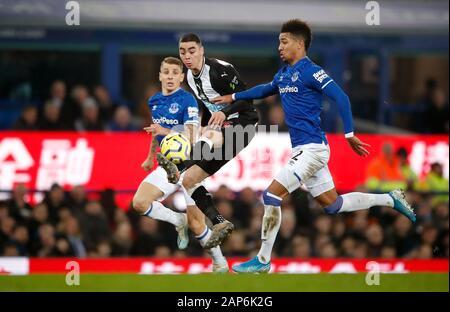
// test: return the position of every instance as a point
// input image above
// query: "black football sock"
(205, 203)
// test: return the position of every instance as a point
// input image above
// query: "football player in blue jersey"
(173, 109)
(301, 84)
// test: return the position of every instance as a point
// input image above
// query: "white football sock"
(270, 226)
(158, 211)
(215, 252)
(204, 236)
(187, 197)
(359, 201)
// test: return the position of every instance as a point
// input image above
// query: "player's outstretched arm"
(190, 131)
(257, 92)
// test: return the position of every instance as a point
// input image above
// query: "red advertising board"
(22, 266)
(101, 160)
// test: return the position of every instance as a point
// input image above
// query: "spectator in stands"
(263, 107)
(436, 113)
(276, 117)
(10, 250)
(122, 239)
(235, 245)
(28, 120)
(89, 120)
(143, 113)
(287, 231)
(54, 200)
(6, 230)
(73, 234)
(122, 120)
(384, 172)
(243, 205)
(436, 182)
(4, 210)
(94, 225)
(58, 93)
(148, 238)
(62, 247)
(105, 103)
(71, 110)
(77, 200)
(50, 120)
(300, 247)
(375, 238)
(19, 209)
(405, 167)
(45, 242)
(38, 218)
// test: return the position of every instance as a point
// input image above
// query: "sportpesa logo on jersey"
(288, 89)
(164, 120)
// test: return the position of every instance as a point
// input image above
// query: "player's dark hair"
(298, 28)
(173, 60)
(191, 37)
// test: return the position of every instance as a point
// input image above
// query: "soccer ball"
(175, 147)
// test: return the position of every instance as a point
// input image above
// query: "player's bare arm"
(224, 99)
(148, 162)
(190, 131)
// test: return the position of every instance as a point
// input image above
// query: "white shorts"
(158, 178)
(308, 166)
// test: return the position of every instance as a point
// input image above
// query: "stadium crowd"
(85, 110)
(79, 224)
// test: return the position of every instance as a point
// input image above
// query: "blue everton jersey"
(300, 87)
(176, 109)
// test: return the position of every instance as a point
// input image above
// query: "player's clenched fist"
(147, 165)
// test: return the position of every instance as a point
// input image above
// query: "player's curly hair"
(298, 28)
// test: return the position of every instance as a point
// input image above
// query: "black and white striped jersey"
(220, 78)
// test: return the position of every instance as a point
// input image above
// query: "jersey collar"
(201, 71)
(175, 91)
(301, 61)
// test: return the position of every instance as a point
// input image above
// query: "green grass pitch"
(227, 282)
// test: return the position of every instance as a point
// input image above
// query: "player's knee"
(334, 208)
(140, 204)
(189, 182)
(270, 199)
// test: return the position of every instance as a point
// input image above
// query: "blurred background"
(94, 80)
